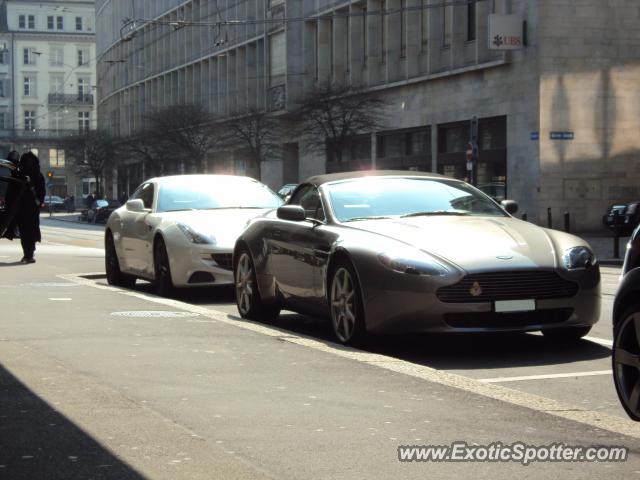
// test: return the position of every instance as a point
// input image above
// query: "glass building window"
(29, 120)
(84, 121)
(56, 157)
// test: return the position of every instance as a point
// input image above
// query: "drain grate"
(155, 314)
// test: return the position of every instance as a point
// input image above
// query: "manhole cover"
(154, 314)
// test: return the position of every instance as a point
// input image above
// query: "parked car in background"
(179, 231)
(101, 209)
(413, 252)
(287, 190)
(496, 190)
(628, 217)
(57, 203)
(626, 331)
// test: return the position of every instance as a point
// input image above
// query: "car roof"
(172, 178)
(337, 177)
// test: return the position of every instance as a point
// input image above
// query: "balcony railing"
(38, 133)
(70, 99)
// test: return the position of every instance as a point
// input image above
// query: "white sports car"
(180, 231)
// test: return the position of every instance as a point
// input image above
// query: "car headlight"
(196, 237)
(420, 265)
(578, 258)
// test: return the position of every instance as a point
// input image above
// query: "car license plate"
(515, 306)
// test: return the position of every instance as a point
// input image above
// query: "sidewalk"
(63, 216)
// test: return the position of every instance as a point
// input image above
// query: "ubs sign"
(506, 32)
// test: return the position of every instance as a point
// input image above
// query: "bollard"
(524, 216)
(549, 219)
(567, 222)
(616, 234)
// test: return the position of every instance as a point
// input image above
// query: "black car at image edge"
(626, 331)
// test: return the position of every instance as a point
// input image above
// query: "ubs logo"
(475, 290)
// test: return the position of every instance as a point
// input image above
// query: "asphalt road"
(98, 382)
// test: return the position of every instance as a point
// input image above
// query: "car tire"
(566, 334)
(248, 299)
(112, 266)
(625, 361)
(163, 283)
(345, 304)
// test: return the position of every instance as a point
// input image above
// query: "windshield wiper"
(435, 213)
(181, 210)
(357, 219)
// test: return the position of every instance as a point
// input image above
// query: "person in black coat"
(28, 214)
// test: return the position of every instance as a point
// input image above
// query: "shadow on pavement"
(37, 442)
(448, 352)
(460, 351)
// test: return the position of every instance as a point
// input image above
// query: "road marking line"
(567, 411)
(544, 377)
(61, 299)
(602, 341)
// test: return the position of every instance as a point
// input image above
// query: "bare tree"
(91, 152)
(189, 130)
(258, 132)
(331, 116)
(148, 147)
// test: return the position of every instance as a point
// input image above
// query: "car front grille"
(224, 260)
(493, 320)
(496, 286)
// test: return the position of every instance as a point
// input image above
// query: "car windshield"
(371, 198)
(216, 193)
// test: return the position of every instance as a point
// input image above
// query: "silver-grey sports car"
(413, 252)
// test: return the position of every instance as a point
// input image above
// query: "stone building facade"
(47, 82)
(557, 118)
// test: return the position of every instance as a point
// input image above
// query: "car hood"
(472, 243)
(225, 225)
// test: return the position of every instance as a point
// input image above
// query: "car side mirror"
(511, 206)
(294, 213)
(136, 205)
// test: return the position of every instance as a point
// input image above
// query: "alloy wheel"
(343, 306)
(244, 284)
(626, 363)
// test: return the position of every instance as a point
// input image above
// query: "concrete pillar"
(340, 43)
(252, 81)
(434, 148)
(310, 54)
(435, 39)
(458, 35)
(393, 41)
(356, 42)
(374, 151)
(114, 183)
(414, 40)
(324, 50)
(241, 69)
(374, 54)
(482, 31)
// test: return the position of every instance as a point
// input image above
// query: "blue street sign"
(535, 135)
(561, 135)
(49, 185)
